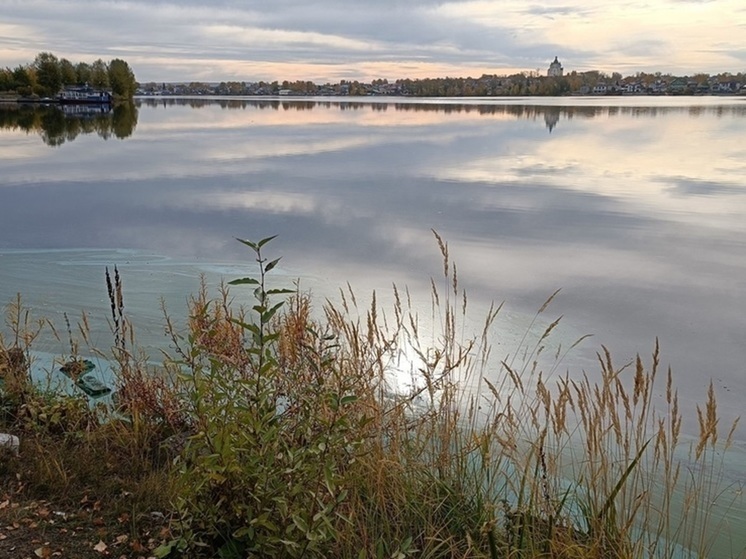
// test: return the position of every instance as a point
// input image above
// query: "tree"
(48, 73)
(83, 73)
(121, 78)
(6, 79)
(67, 72)
(23, 80)
(99, 75)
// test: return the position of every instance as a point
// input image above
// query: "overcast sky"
(331, 40)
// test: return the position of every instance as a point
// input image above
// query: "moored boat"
(86, 94)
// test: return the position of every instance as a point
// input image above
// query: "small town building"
(555, 69)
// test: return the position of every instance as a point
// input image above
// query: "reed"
(364, 430)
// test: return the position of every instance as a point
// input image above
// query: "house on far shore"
(600, 89)
(678, 85)
(555, 69)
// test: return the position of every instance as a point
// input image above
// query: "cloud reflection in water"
(640, 225)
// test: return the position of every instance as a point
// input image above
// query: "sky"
(333, 40)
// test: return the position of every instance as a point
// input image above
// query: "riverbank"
(283, 430)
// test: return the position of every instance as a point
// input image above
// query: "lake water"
(635, 207)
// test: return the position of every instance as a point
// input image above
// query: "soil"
(36, 528)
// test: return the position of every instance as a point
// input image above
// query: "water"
(633, 206)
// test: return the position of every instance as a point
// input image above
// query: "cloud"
(329, 39)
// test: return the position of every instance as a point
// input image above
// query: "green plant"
(263, 473)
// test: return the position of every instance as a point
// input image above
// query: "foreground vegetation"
(280, 431)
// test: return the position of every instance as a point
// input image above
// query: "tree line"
(47, 75)
(520, 84)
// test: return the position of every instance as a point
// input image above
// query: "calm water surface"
(635, 207)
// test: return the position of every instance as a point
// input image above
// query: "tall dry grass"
(354, 430)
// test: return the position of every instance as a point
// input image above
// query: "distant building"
(555, 69)
(600, 89)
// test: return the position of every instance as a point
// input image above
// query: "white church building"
(555, 69)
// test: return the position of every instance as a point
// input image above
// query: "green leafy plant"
(263, 473)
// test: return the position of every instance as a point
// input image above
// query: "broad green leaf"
(349, 399)
(267, 316)
(300, 523)
(280, 291)
(271, 337)
(246, 326)
(329, 479)
(380, 550)
(264, 241)
(249, 244)
(164, 550)
(244, 281)
(272, 264)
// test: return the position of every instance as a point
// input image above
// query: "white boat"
(84, 94)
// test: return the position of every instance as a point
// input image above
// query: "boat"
(84, 95)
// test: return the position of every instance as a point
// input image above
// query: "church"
(555, 69)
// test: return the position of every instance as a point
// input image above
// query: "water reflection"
(519, 108)
(636, 212)
(641, 225)
(58, 124)
(514, 106)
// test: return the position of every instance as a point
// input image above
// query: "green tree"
(67, 72)
(48, 73)
(6, 79)
(83, 73)
(121, 78)
(99, 75)
(23, 80)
